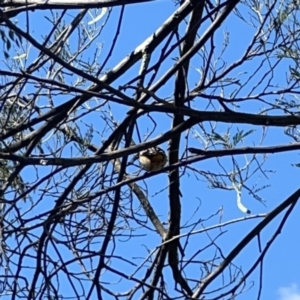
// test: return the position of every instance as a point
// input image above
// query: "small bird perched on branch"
(153, 159)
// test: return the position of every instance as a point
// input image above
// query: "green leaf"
(11, 34)
(8, 44)
(239, 136)
(216, 137)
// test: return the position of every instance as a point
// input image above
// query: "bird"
(153, 159)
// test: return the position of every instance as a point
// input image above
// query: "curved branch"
(256, 230)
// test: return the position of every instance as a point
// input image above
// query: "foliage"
(85, 92)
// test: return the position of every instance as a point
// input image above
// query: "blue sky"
(289, 293)
(281, 278)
